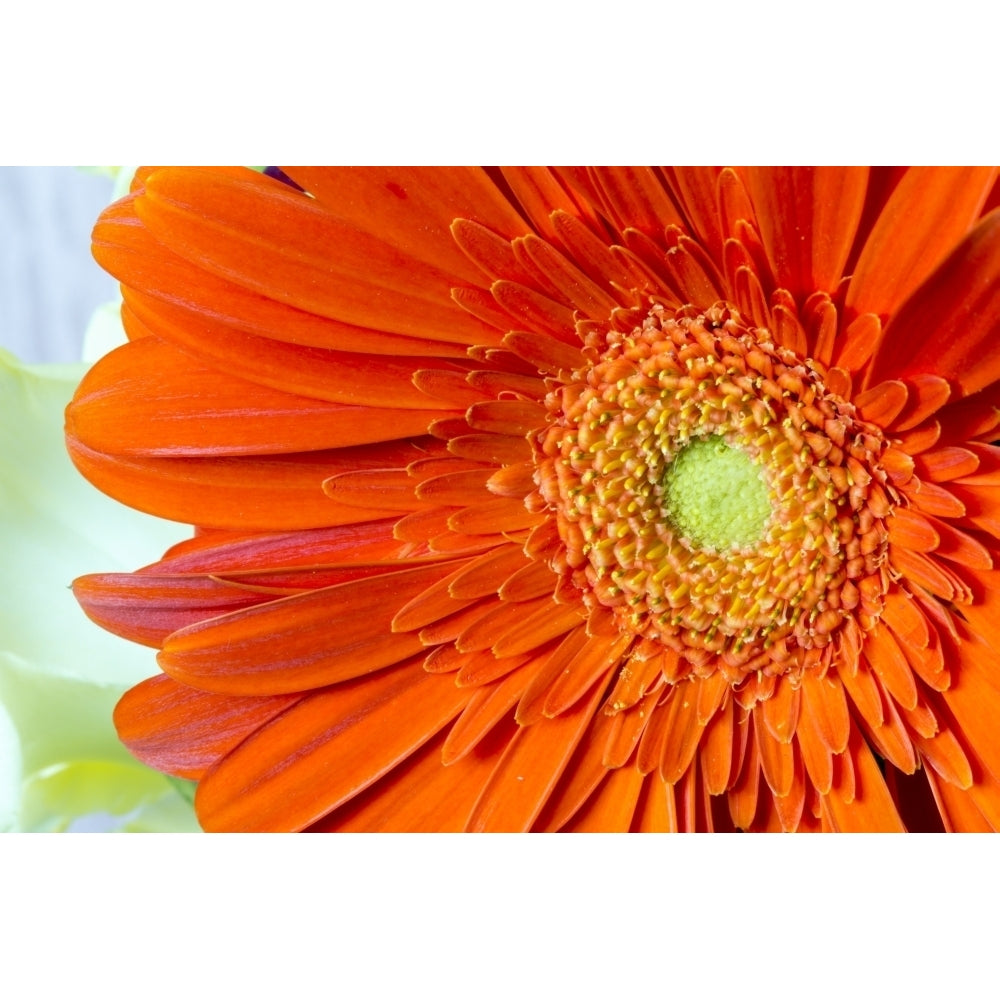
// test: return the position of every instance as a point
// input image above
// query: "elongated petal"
(274, 241)
(808, 218)
(929, 211)
(325, 749)
(948, 327)
(179, 407)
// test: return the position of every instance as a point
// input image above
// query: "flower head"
(618, 499)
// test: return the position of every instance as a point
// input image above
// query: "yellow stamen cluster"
(744, 581)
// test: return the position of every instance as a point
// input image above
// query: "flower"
(560, 499)
(63, 766)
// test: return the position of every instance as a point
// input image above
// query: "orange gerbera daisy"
(560, 499)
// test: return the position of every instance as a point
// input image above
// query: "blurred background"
(49, 283)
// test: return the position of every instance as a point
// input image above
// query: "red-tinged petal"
(589, 251)
(276, 242)
(486, 574)
(493, 517)
(928, 212)
(533, 311)
(324, 750)
(948, 327)
(413, 207)
(264, 493)
(857, 342)
(959, 546)
(863, 805)
(146, 609)
(302, 642)
(183, 731)
(808, 218)
(506, 416)
(387, 489)
(575, 288)
(529, 769)
(227, 552)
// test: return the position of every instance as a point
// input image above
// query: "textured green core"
(716, 495)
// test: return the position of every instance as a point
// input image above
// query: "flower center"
(711, 490)
(715, 495)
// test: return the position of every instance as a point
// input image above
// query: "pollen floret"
(693, 397)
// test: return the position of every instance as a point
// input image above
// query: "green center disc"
(716, 495)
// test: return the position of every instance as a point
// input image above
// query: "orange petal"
(863, 805)
(928, 212)
(161, 278)
(635, 197)
(178, 407)
(777, 759)
(324, 750)
(889, 663)
(413, 207)
(824, 702)
(486, 707)
(808, 218)
(948, 326)
(419, 795)
(251, 493)
(277, 242)
(301, 642)
(530, 768)
(611, 808)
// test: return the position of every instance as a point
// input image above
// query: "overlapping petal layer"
(426, 421)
